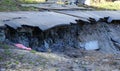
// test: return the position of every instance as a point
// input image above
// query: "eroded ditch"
(68, 39)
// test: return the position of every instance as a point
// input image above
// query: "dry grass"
(107, 5)
(13, 5)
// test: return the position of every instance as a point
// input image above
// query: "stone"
(92, 45)
(41, 49)
(2, 69)
(116, 70)
(105, 60)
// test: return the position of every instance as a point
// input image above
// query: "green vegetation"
(17, 62)
(107, 6)
(1, 58)
(13, 5)
(7, 52)
(33, 51)
(4, 46)
(32, 1)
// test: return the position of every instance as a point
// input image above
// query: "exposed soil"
(62, 38)
(61, 48)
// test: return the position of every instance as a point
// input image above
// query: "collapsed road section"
(60, 32)
(95, 16)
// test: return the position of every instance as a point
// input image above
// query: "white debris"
(46, 44)
(110, 19)
(92, 45)
(87, 2)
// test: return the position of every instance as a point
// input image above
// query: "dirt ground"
(14, 59)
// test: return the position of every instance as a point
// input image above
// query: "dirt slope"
(12, 58)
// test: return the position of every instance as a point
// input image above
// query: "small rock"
(105, 60)
(13, 66)
(2, 69)
(116, 70)
(86, 63)
(41, 49)
(36, 64)
(76, 61)
(83, 62)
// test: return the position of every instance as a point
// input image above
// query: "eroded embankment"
(66, 38)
